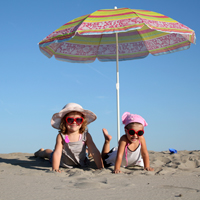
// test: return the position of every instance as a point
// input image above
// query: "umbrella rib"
(99, 45)
(143, 40)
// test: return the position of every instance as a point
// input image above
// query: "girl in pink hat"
(72, 139)
(132, 149)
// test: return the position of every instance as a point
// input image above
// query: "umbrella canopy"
(117, 34)
(140, 32)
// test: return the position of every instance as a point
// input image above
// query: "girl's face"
(136, 127)
(74, 126)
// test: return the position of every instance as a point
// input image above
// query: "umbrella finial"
(115, 7)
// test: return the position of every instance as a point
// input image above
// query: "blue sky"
(165, 90)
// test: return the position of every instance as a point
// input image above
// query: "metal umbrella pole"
(117, 88)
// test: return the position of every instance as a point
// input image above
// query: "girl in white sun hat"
(72, 139)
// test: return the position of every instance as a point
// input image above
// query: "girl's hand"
(117, 171)
(56, 170)
(149, 169)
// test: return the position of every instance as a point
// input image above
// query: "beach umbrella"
(117, 35)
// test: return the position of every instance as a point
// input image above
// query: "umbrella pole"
(117, 88)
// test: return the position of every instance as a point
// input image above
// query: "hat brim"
(56, 119)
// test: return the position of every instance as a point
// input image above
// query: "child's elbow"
(145, 154)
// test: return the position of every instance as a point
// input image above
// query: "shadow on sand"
(31, 163)
(36, 163)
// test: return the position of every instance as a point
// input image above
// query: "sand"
(176, 176)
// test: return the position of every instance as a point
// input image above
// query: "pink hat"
(128, 118)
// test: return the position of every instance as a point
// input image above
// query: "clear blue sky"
(165, 90)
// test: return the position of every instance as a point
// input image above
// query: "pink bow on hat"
(128, 118)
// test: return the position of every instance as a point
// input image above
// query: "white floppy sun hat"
(70, 107)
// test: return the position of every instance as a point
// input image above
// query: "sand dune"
(176, 176)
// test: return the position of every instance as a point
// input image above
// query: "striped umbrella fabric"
(140, 32)
(117, 35)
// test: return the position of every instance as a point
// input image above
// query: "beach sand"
(176, 176)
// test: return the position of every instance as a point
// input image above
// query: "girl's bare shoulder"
(124, 139)
(142, 139)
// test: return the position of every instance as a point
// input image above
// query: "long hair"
(63, 128)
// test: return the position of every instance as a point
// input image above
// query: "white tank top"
(130, 158)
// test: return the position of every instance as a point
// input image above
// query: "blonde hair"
(63, 128)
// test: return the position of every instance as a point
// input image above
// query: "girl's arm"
(57, 154)
(94, 151)
(120, 152)
(145, 154)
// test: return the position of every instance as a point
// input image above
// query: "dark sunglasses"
(70, 120)
(133, 132)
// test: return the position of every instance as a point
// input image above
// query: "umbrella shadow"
(31, 163)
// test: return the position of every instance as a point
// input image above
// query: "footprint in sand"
(86, 185)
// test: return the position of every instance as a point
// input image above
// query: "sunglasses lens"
(70, 120)
(79, 121)
(140, 133)
(131, 132)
